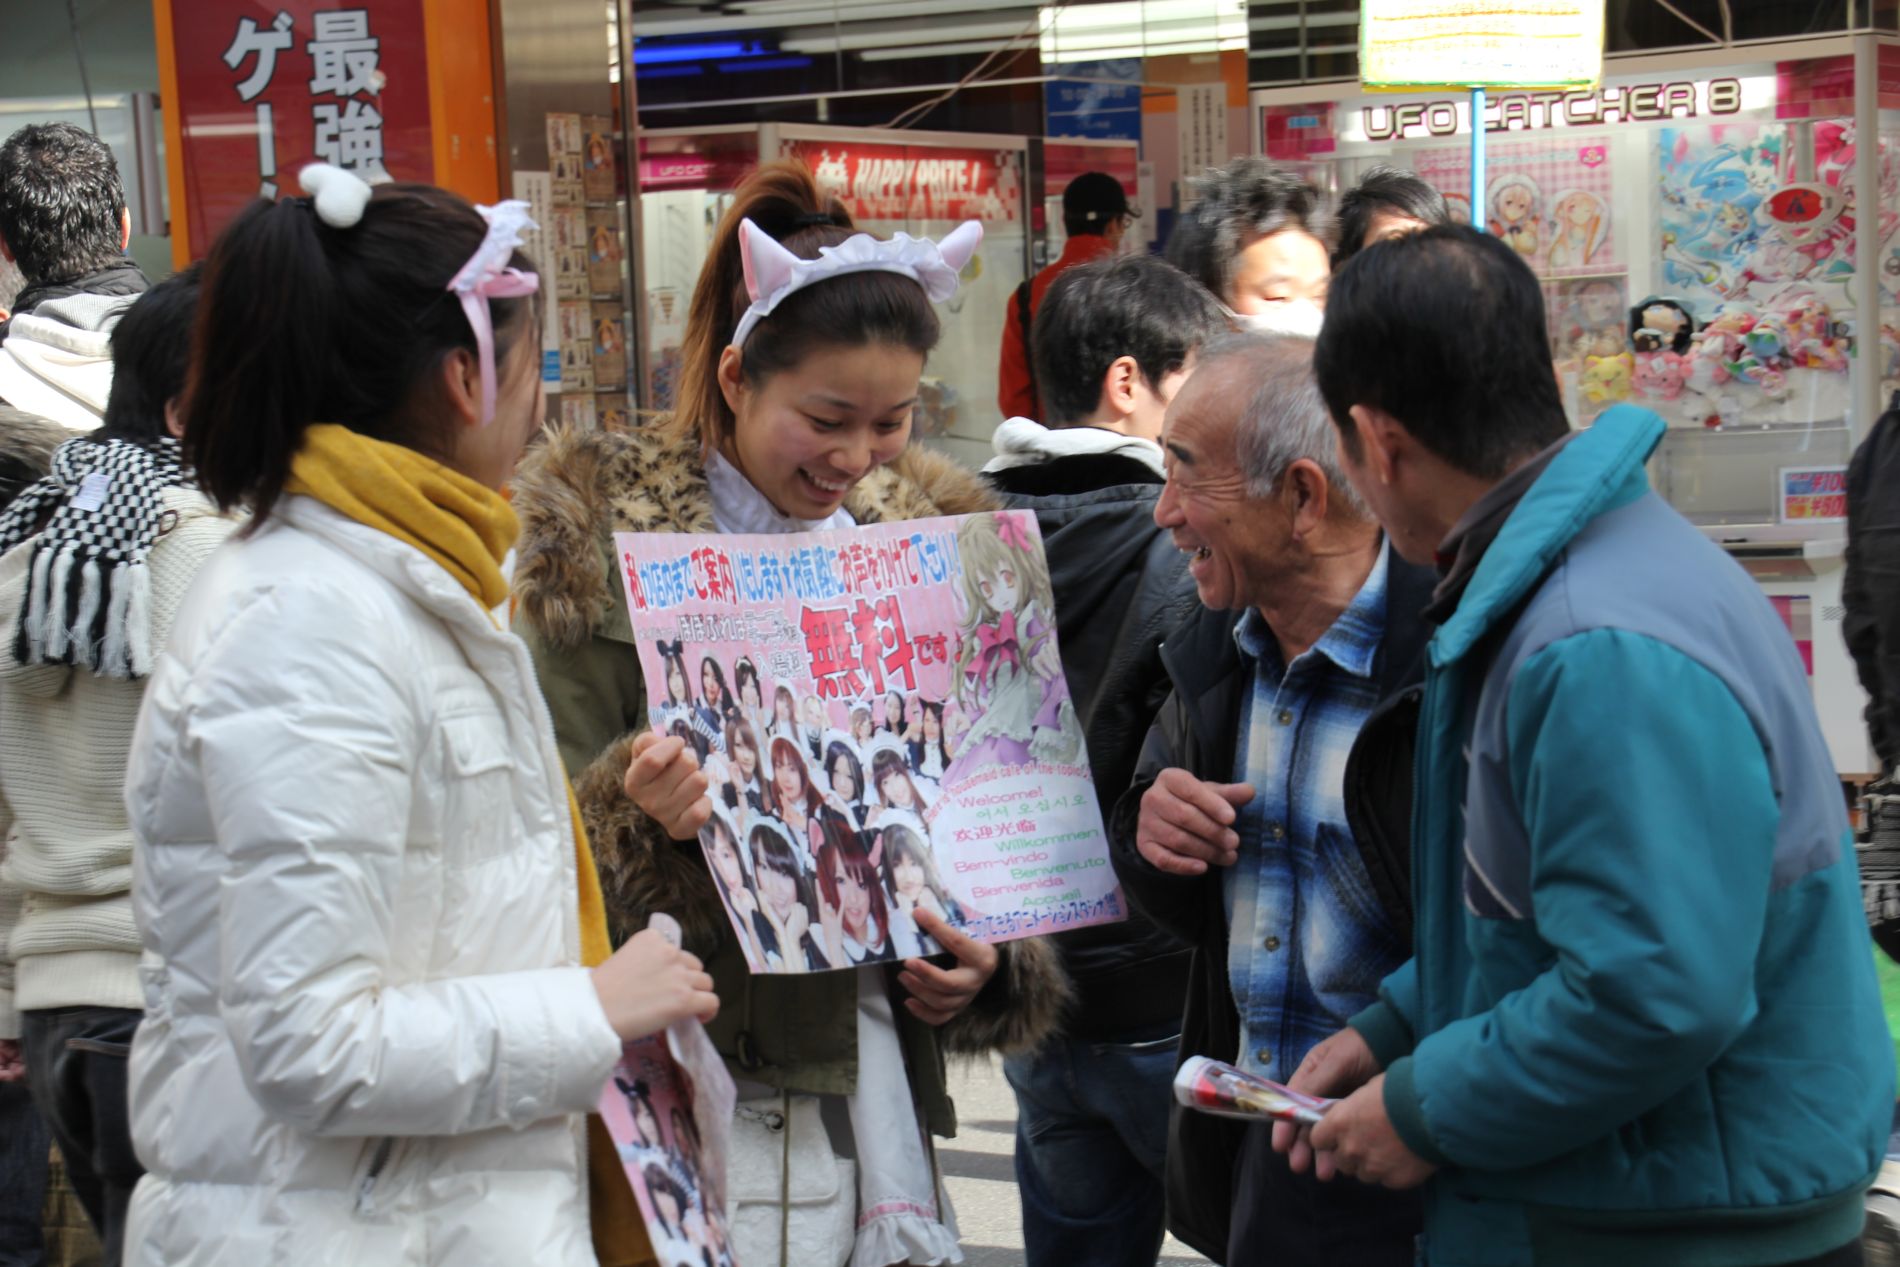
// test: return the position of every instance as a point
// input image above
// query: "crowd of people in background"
(1450, 772)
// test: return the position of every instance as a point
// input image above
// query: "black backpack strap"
(1025, 315)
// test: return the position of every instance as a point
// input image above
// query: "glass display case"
(1733, 478)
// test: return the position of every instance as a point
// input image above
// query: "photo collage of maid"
(883, 718)
(676, 1174)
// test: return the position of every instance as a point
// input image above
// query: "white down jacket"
(367, 1034)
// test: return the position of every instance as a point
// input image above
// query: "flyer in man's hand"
(1214, 1086)
(884, 719)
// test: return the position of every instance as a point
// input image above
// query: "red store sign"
(916, 182)
(263, 87)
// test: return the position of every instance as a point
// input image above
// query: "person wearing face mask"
(799, 376)
(1261, 240)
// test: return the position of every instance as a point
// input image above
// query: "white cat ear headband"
(339, 197)
(772, 272)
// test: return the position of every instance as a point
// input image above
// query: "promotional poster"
(886, 725)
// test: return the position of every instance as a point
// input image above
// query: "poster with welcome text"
(883, 717)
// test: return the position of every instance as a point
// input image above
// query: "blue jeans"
(1091, 1145)
(23, 1148)
(75, 1065)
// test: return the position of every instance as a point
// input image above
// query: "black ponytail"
(301, 323)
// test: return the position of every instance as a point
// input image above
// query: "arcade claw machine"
(1719, 244)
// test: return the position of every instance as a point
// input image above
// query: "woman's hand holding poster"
(882, 715)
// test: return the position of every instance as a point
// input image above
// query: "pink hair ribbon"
(1011, 532)
(999, 643)
(488, 275)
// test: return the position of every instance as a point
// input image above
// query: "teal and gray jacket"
(1641, 1025)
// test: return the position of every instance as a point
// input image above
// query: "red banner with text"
(264, 88)
(917, 182)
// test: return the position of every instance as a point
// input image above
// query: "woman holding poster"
(800, 373)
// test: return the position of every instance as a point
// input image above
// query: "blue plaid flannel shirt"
(1307, 941)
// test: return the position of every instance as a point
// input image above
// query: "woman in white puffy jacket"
(369, 1036)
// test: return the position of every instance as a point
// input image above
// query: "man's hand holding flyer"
(1214, 1086)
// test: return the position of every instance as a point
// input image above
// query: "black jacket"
(121, 277)
(1870, 590)
(1197, 730)
(1120, 586)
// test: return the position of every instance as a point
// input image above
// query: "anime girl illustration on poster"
(1579, 225)
(1749, 209)
(1009, 677)
(1516, 212)
(885, 727)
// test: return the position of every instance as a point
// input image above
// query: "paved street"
(982, 1181)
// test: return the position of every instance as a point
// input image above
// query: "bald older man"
(1267, 824)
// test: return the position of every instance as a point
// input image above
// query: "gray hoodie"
(57, 359)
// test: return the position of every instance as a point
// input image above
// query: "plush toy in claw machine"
(1517, 212)
(1586, 320)
(1605, 379)
(1657, 324)
(1659, 375)
(1811, 340)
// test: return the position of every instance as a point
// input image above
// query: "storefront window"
(1696, 240)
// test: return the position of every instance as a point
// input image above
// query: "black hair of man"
(1092, 202)
(1247, 199)
(1388, 190)
(151, 355)
(1096, 313)
(1444, 331)
(62, 208)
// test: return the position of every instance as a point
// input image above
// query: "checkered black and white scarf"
(88, 596)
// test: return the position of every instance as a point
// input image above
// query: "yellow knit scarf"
(461, 524)
(468, 529)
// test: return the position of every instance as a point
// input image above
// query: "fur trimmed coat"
(796, 1032)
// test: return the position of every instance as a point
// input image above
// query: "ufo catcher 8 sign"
(883, 716)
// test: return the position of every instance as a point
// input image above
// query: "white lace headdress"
(772, 273)
(339, 198)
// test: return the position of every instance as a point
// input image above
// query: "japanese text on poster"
(885, 722)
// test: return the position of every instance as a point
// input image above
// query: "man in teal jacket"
(1641, 1024)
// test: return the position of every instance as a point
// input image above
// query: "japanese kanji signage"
(884, 718)
(265, 86)
(916, 182)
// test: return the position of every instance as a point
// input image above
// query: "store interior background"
(921, 113)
